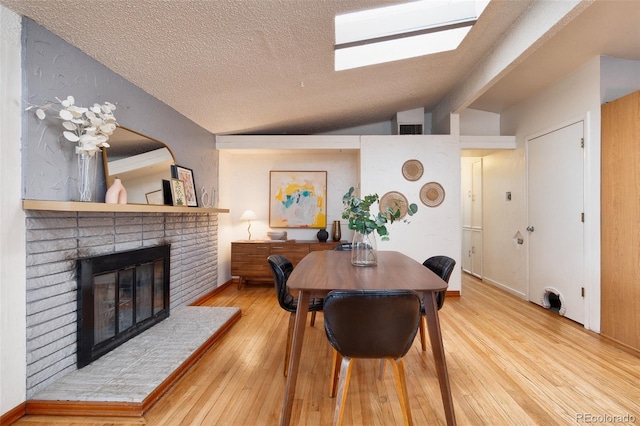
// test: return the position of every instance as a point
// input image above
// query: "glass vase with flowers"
(90, 128)
(365, 224)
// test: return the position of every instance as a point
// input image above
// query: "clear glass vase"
(87, 165)
(363, 249)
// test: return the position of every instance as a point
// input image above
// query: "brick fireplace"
(56, 240)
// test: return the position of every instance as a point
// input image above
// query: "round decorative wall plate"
(432, 194)
(412, 170)
(396, 201)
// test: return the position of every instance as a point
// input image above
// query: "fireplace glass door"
(121, 295)
(104, 307)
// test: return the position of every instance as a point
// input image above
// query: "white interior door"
(556, 234)
(476, 195)
(472, 217)
(476, 252)
(467, 246)
(476, 219)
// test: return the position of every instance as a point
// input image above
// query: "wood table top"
(323, 271)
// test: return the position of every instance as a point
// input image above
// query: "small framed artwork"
(155, 197)
(178, 193)
(166, 192)
(298, 199)
(186, 176)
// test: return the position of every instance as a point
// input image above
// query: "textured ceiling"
(266, 66)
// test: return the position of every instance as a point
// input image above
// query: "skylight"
(403, 31)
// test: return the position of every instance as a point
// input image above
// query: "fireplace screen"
(120, 295)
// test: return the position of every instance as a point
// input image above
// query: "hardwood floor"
(510, 363)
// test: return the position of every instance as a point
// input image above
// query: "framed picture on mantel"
(298, 199)
(186, 176)
(178, 193)
(155, 197)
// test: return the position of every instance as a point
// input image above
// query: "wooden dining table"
(320, 272)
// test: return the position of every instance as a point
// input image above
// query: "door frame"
(591, 230)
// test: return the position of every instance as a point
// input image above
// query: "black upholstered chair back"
(372, 323)
(343, 247)
(442, 266)
(282, 268)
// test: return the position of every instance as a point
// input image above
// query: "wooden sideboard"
(249, 258)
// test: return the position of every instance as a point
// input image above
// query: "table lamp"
(248, 215)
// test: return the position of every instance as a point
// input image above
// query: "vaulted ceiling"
(266, 66)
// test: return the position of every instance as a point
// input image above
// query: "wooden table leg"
(294, 361)
(435, 335)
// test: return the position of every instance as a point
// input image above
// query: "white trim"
(288, 142)
(487, 142)
(592, 170)
(505, 288)
(12, 218)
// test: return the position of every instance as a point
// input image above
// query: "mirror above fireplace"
(140, 162)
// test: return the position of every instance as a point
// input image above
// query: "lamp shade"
(248, 215)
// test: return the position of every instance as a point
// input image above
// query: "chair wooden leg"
(313, 318)
(343, 386)
(401, 386)
(335, 370)
(381, 369)
(423, 336)
(287, 351)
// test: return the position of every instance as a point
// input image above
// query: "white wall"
(504, 263)
(244, 180)
(576, 97)
(618, 77)
(433, 230)
(60, 70)
(12, 220)
(244, 185)
(382, 128)
(479, 123)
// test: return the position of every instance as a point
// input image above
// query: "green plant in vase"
(365, 224)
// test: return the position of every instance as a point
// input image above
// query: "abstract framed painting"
(298, 199)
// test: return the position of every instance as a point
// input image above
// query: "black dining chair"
(370, 324)
(281, 267)
(442, 266)
(343, 247)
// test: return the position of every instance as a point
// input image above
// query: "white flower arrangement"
(89, 127)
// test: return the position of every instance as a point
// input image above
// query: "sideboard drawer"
(250, 248)
(249, 258)
(328, 245)
(293, 252)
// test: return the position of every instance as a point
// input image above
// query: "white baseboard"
(505, 288)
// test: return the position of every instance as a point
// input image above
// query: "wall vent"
(410, 129)
(409, 122)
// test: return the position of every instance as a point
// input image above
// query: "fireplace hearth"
(119, 296)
